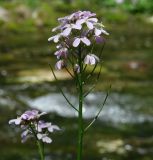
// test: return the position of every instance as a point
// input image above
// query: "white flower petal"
(12, 121)
(18, 121)
(93, 19)
(80, 21)
(56, 38)
(24, 133)
(39, 136)
(52, 128)
(86, 41)
(41, 114)
(96, 58)
(92, 60)
(97, 32)
(54, 29)
(67, 31)
(76, 42)
(46, 139)
(76, 26)
(59, 64)
(89, 25)
(51, 38)
(103, 31)
(86, 60)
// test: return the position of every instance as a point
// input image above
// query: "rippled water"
(118, 108)
(113, 111)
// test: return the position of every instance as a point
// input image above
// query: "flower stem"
(40, 144)
(41, 149)
(80, 116)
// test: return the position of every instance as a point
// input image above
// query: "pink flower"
(44, 138)
(69, 28)
(60, 64)
(99, 39)
(77, 68)
(61, 53)
(27, 116)
(15, 121)
(87, 14)
(100, 31)
(77, 41)
(91, 59)
(55, 38)
(89, 22)
(46, 125)
(31, 126)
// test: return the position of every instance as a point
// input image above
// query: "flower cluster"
(32, 126)
(78, 29)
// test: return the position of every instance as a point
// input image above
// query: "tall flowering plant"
(76, 37)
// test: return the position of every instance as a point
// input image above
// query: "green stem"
(41, 149)
(80, 116)
(39, 143)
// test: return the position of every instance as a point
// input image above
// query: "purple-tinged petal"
(86, 41)
(97, 32)
(77, 26)
(76, 42)
(77, 68)
(91, 59)
(46, 139)
(96, 58)
(24, 136)
(60, 64)
(16, 121)
(93, 20)
(55, 38)
(80, 21)
(51, 128)
(87, 59)
(88, 14)
(67, 31)
(89, 25)
(99, 39)
(61, 53)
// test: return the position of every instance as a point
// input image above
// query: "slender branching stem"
(69, 72)
(91, 89)
(62, 90)
(94, 85)
(97, 115)
(80, 115)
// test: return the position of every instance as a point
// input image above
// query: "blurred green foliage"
(132, 6)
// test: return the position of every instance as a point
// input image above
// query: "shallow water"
(118, 109)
